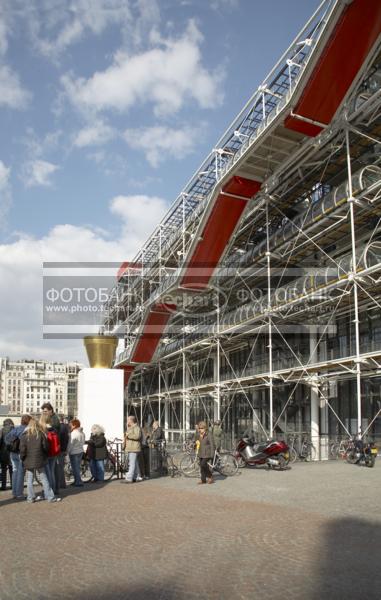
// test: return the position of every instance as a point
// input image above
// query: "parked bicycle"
(223, 462)
(167, 463)
(303, 450)
(340, 448)
(84, 470)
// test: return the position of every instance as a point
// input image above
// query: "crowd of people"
(42, 445)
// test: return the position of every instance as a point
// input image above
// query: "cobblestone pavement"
(309, 533)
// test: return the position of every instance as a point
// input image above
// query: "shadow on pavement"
(349, 566)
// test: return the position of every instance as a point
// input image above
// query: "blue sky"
(107, 107)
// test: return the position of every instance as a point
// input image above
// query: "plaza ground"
(308, 533)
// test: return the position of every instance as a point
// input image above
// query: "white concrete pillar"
(100, 400)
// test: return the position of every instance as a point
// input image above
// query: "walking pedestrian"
(205, 452)
(5, 459)
(75, 450)
(97, 453)
(34, 455)
(12, 439)
(132, 446)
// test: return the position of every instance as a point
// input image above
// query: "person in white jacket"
(75, 450)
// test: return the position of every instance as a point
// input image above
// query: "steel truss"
(290, 339)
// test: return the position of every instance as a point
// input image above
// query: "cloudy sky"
(107, 107)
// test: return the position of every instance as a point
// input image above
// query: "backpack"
(54, 447)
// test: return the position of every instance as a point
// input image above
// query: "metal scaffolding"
(283, 331)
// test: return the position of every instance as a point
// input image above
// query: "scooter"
(274, 454)
(361, 452)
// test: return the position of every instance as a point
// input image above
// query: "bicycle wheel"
(170, 466)
(109, 465)
(85, 470)
(68, 471)
(227, 465)
(189, 466)
(334, 451)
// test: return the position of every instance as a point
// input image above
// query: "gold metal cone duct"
(100, 350)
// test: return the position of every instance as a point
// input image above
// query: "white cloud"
(21, 273)
(165, 76)
(38, 172)
(55, 26)
(94, 135)
(12, 93)
(159, 143)
(139, 213)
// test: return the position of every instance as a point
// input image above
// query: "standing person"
(97, 452)
(55, 423)
(12, 439)
(54, 449)
(75, 450)
(144, 455)
(157, 433)
(48, 411)
(205, 452)
(34, 455)
(64, 434)
(5, 458)
(217, 434)
(133, 447)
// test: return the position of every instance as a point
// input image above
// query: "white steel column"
(355, 290)
(314, 396)
(268, 255)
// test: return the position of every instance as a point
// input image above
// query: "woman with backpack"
(34, 455)
(97, 452)
(54, 448)
(12, 439)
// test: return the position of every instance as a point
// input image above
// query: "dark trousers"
(206, 473)
(143, 458)
(4, 468)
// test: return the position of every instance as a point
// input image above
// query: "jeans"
(75, 461)
(17, 475)
(48, 492)
(97, 469)
(133, 466)
(50, 471)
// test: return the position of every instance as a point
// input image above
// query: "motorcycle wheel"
(241, 462)
(282, 462)
(351, 458)
(370, 462)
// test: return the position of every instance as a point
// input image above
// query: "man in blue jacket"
(12, 440)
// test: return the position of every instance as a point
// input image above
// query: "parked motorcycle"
(362, 452)
(274, 454)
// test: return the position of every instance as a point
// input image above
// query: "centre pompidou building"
(256, 300)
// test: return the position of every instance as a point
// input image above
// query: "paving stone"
(309, 533)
